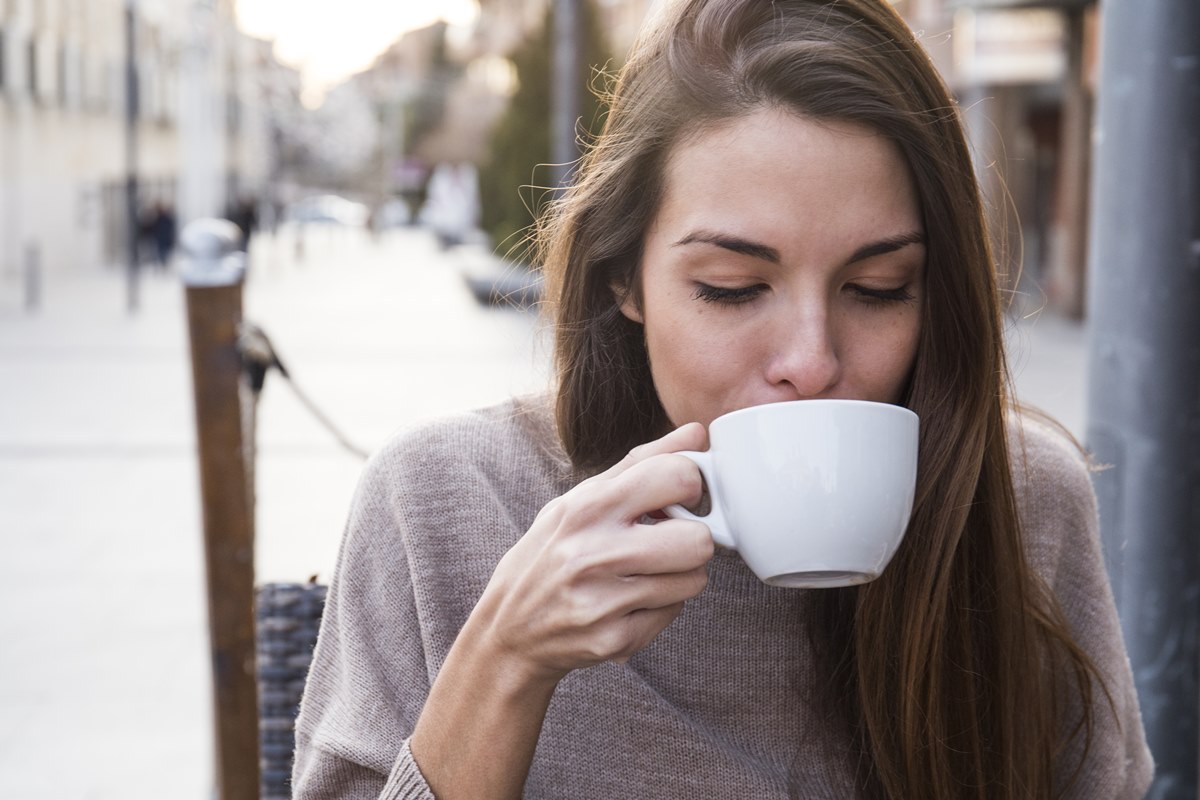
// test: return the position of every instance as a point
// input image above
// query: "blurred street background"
(379, 157)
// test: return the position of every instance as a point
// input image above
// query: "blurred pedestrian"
(163, 233)
(782, 207)
(244, 214)
(451, 208)
(147, 220)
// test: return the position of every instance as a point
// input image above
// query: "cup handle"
(715, 519)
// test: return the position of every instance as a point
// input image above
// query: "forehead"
(774, 175)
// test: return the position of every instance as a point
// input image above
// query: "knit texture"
(722, 704)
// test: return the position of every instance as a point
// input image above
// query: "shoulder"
(1060, 525)
(1053, 487)
(484, 473)
(514, 436)
(1049, 467)
(443, 500)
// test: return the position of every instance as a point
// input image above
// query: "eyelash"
(728, 296)
(880, 297)
(721, 295)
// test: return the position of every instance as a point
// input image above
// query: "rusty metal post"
(1067, 272)
(212, 273)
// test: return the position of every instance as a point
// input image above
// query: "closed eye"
(866, 294)
(728, 295)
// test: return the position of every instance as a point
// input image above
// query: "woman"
(781, 207)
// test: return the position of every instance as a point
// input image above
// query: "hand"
(589, 582)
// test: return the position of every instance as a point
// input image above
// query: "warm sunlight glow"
(331, 39)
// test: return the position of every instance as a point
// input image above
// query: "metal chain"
(259, 357)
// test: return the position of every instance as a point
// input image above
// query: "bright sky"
(331, 39)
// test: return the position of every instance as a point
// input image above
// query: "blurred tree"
(516, 181)
(428, 107)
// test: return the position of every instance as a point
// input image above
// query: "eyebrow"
(746, 247)
(732, 243)
(888, 245)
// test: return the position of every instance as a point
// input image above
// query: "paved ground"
(104, 686)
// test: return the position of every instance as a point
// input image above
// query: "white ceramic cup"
(810, 493)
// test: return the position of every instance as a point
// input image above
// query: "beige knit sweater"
(720, 705)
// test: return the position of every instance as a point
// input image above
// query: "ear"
(627, 303)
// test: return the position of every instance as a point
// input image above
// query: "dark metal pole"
(131, 150)
(1144, 393)
(565, 109)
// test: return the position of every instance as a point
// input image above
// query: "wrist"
(508, 668)
(480, 725)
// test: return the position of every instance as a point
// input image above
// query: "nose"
(804, 359)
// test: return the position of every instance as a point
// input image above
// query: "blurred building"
(341, 138)
(1024, 75)
(204, 127)
(433, 97)
(503, 24)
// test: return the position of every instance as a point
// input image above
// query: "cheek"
(887, 362)
(681, 350)
(697, 364)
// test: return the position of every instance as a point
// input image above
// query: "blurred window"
(31, 66)
(62, 75)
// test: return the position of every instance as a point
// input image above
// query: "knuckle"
(639, 453)
(693, 539)
(702, 540)
(628, 460)
(579, 614)
(551, 512)
(608, 643)
(584, 506)
(688, 477)
(645, 626)
(576, 562)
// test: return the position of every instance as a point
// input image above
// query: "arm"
(588, 583)
(368, 677)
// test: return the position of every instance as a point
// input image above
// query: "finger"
(691, 436)
(644, 592)
(657, 482)
(673, 545)
(643, 625)
(644, 487)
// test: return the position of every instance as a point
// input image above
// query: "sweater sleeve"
(369, 678)
(1058, 508)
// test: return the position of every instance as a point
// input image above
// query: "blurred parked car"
(392, 214)
(328, 209)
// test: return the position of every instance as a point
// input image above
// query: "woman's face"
(786, 261)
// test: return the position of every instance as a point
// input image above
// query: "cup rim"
(884, 408)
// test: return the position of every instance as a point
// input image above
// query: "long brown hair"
(952, 670)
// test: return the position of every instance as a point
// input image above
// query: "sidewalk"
(104, 672)
(1047, 356)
